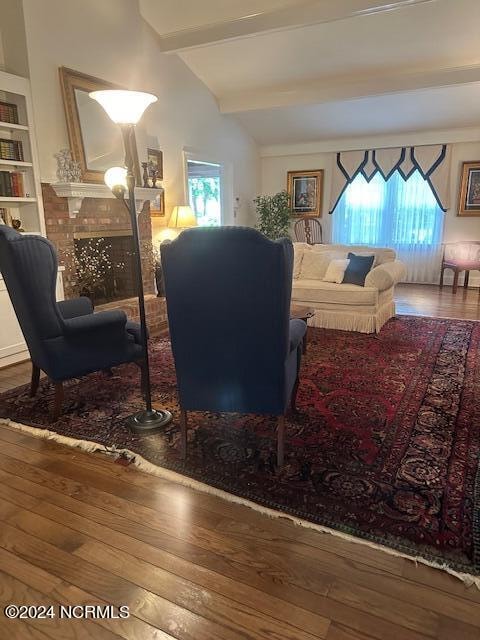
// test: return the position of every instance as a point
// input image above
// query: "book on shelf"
(5, 216)
(8, 112)
(11, 149)
(11, 184)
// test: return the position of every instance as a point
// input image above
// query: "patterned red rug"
(385, 446)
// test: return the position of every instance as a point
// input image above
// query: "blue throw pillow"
(357, 269)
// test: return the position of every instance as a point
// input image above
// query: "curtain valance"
(432, 162)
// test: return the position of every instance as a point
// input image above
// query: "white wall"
(2, 57)
(274, 178)
(13, 57)
(108, 39)
(460, 227)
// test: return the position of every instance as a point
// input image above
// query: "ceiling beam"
(307, 13)
(328, 90)
(357, 143)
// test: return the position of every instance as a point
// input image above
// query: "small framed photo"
(155, 164)
(157, 206)
(305, 189)
(469, 200)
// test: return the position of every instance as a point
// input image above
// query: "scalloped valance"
(432, 161)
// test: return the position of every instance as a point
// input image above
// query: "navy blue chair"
(65, 339)
(228, 295)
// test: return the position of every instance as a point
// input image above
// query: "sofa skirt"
(363, 321)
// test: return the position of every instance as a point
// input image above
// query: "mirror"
(95, 141)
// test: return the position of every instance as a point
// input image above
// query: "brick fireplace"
(105, 221)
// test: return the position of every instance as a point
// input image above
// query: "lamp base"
(148, 421)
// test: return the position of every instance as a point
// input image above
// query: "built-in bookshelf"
(20, 188)
(20, 194)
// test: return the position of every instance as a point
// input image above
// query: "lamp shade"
(116, 177)
(123, 107)
(182, 217)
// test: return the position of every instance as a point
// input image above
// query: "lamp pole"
(115, 105)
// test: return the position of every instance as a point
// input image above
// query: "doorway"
(205, 192)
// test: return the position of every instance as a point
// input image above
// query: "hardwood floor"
(80, 529)
(430, 300)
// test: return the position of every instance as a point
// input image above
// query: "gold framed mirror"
(95, 141)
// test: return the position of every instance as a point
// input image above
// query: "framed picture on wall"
(469, 200)
(305, 189)
(157, 206)
(155, 164)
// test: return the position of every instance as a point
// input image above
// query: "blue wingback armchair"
(65, 339)
(235, 348)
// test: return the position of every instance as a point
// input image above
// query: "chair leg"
(455, 281)
(466, 279)
(441, 277)
(304, 344)
(293, 400)
(35, 380)
(58, 402)
(280, 441)
(183, 433)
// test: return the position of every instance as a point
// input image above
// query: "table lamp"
(182, 217)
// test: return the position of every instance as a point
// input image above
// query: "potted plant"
(274, 215)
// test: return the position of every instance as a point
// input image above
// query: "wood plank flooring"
(430, 300)
(79, 529)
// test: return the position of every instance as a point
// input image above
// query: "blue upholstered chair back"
(228, 296)
(29, 268)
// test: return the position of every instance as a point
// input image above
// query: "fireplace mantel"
(75, 192)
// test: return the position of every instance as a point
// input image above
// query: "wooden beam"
(356, 143)
(290, 17)
(326, 90)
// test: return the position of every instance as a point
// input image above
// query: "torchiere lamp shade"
(123, 107)
(116, 177)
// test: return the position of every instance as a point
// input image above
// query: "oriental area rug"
(384, 448)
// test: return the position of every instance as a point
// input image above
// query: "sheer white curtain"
(402, 214)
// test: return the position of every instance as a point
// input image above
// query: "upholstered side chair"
(235, 348)
(65, 339)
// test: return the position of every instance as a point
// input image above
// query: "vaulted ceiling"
(305, 70)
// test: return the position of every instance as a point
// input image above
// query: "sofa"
(349, 307)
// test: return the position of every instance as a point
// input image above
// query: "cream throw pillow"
(336, 270)
(314, 265)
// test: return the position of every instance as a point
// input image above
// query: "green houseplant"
(274, 215)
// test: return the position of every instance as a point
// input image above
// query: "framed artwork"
(95, 141)
(155, 164)
(469, 200)
(305, 189)
(157, 206)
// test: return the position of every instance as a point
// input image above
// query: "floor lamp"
(125, 108)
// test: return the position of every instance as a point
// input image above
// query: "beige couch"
(346, 306)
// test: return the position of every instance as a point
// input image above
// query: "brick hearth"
(103, 215)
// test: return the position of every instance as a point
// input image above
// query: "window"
(402, 214)
(204, 192)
